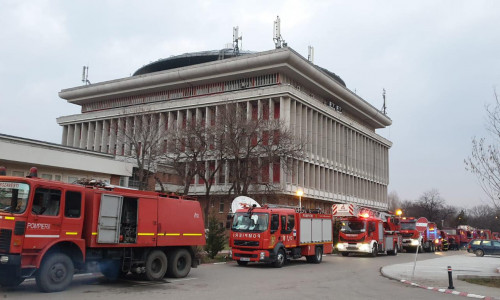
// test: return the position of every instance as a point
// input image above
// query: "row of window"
(200, 90)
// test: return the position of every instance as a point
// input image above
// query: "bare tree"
(431, 204)
(143, 136)
(484, 161)
(252, 145)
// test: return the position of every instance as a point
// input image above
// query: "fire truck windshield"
(250, 222)
(353, 226)
(13, 197)
(408, 225)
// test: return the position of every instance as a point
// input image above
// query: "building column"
(83, 140)
(113, 128)
(71, 134)
(77, 135)
(64, 140)
(90, 136)
(105, 136)
(98, 136)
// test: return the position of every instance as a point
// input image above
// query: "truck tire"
(179, 263)
(242, 263)
(374, 250)
(55, 273)
(344, 253)
(317, 257)
(394, 251)
(156, 265)
(280, 259)
(11, 281)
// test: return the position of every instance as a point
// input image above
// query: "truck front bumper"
(410, 243)
(252, 255)
(354, 247)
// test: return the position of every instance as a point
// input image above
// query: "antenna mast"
(310, 56)
(237, 38)
(277, 38)
(384, 107)
(85, 75)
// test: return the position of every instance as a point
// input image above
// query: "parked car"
(484, 247)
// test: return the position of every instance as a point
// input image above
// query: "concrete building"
(61, 163)
(346, 160)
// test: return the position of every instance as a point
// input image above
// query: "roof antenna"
(310, 56)
(384, 107)
(277, 38)
(237, 38)
(85, 75)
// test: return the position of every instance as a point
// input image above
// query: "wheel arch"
(72, 249)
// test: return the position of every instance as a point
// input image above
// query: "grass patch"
(491, 282)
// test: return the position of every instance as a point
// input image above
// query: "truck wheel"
(374, 250)
(242, 263)
(479, 253)
(156, 265)
(11, 281)
(318, 255)
(394, 251)
(55, 273)
(344, 253)
(179, 263)
(280, 259)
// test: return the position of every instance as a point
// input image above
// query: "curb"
(441, 290)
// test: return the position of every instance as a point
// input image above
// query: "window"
(72, 179)
(284, 224)
(486, 243)
(275, 222)
(221, 206)
(18, 173)
(46, 202)
(73, 204)
(291, 222)
(47, 176)
(57, 177)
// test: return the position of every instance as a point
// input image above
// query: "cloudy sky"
(439, 62)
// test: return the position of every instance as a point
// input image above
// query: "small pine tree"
(216, 237)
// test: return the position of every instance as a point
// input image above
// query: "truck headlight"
(262, 255)
(340, 246)
(4, 259)
(364, 247)
(414, 242)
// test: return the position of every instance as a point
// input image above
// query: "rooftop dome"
(194, 58)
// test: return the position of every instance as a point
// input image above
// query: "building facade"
(346, 160)
(60, 163)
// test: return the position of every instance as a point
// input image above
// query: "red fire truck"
(274, 234)
(50, 229)
(459, 237)
(366, 231)
(414, 239)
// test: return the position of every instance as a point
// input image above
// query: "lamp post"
(300, 193)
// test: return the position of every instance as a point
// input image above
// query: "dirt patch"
(486, 281)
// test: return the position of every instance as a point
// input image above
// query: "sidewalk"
(432, 273)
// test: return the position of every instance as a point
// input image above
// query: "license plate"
(245, 259)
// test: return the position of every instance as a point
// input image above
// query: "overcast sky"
(439, 62)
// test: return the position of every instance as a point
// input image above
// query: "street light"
(300, 193)
(399, 212)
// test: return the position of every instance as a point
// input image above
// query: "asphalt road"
(336, 277)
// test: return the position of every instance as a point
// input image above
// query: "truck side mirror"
(371, 227)
(228, 224)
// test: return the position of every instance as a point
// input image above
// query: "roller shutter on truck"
(109, 219)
